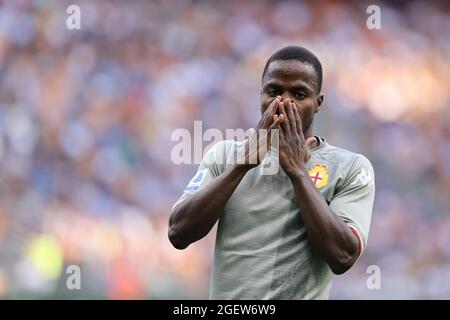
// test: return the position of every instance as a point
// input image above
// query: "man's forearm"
(195, 217)
(328, 233)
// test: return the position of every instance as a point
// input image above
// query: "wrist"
(242, 168)
(298, 174)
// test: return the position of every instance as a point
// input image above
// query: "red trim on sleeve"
(359, 239)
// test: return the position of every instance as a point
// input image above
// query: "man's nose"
(286, 96)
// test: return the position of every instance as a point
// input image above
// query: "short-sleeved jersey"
(262, 250)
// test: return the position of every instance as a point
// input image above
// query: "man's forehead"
(290, 71)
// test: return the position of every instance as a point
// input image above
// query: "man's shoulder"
(219, 152)
(349, 167)
(344, 159)
(223, 147)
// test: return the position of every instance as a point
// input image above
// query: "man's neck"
(309, 133)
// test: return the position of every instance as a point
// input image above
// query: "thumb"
(310, 142)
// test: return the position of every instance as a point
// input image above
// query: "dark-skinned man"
(282, 235)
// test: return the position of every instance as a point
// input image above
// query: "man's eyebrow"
(296, 87)
(273, 84)
(302, 87)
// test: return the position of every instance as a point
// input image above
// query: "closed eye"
(272, 92)
(300, 95)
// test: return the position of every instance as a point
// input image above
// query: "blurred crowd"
(86, 118)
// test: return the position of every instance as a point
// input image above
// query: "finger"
(264, 137)
(310, 142)
(281, 132)
(267, 116)
(290, 113)
(273, 107)
(251, 148)
(298, 120)
(275, 126)
(276, 121)
(285, 125)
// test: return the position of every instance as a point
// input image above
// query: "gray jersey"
(262, 250)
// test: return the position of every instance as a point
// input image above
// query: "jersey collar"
(321, 143)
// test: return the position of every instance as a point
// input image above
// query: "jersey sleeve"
(211, 166)
(353, 201)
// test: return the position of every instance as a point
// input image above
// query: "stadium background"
(86, 117)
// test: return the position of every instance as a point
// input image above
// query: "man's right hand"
(259, 142)
(194, 218)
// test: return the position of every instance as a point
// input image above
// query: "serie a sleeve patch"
(197, 180)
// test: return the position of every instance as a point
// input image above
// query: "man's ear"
(319, 100)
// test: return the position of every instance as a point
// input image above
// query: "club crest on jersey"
(319, 175)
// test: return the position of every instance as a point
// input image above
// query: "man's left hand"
(294, 149)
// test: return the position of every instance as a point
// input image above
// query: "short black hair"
(301, 54)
